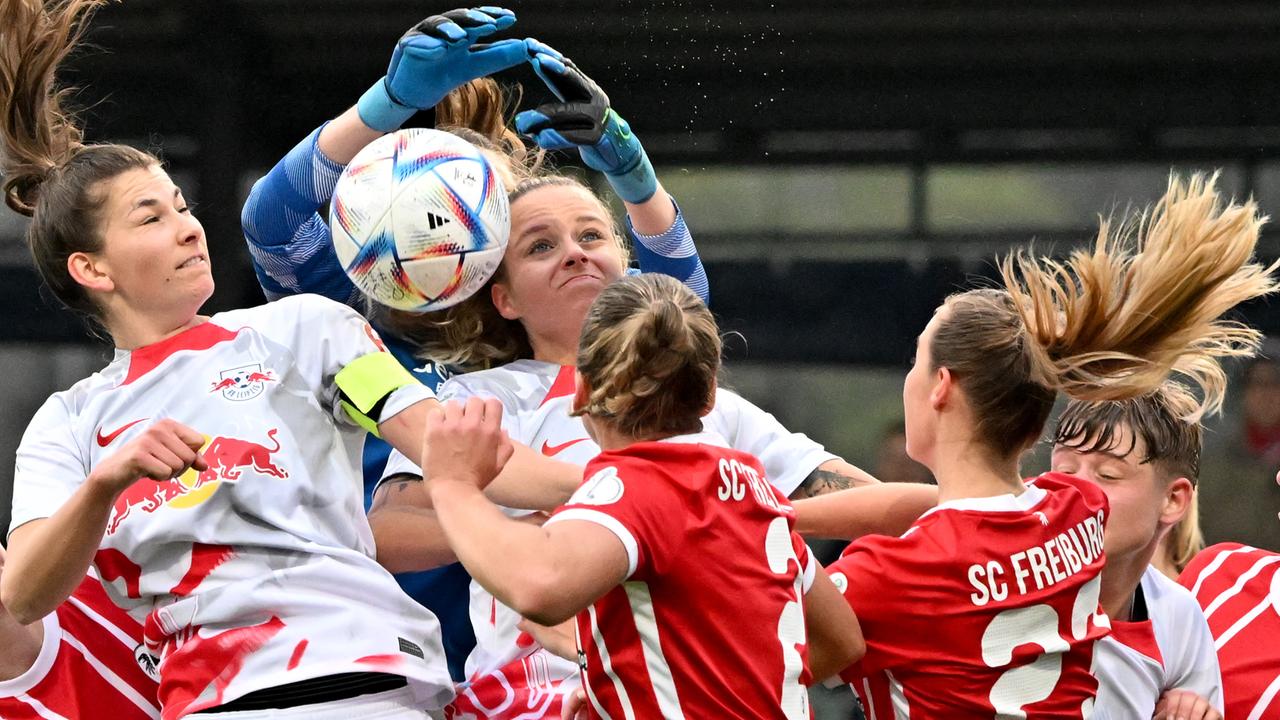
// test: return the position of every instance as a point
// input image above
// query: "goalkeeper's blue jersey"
(293, 253)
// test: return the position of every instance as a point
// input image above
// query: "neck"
(610, 438)
(552, 351)
(143, 332)
(964, 470)
(1120, 580)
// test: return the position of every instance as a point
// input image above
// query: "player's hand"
(435, 56)
(466, 443)
(1184, 705)
(163, 451)
(558, 639)
(584, 120)
(574, 706)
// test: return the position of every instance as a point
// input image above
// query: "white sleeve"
(329, 337)
(1193, 663)
(788, 457)
(50, 465)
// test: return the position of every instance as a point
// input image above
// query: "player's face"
(918, 412)
(153, 249)
(1135, 490)
(562, 253)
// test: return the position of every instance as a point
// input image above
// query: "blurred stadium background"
(843, 165)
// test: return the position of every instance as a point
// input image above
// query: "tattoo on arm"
(394, 485)
(821, 482)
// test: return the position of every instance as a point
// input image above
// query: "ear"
(90, 272)
(711, 402)
(1177, 500)
(581, 392)
(501, 297)
(943, 384)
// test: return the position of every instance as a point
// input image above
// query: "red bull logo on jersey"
(227, 458)
(242, 383)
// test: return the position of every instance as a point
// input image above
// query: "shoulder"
(508, 383)
(1223, 563)
(1168, 603)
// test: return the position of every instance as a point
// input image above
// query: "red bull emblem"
(147, 496)
(242, 383)
(227, 458)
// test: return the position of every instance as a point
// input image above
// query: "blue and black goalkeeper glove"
(435, 56)
(583, 120)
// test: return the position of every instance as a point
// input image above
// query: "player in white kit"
(692, 594)
(210, 471)
(1146, 457)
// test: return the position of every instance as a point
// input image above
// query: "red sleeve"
(636, 501)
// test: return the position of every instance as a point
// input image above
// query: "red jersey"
(710, 621)
(1239, 588)
(87, 666)
(984, 607)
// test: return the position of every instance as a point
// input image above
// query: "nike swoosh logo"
(105, 440)
(550, 450)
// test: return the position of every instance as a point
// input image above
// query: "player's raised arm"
(584, 120)
(288, 239)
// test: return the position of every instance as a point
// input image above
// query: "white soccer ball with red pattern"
(419, 220)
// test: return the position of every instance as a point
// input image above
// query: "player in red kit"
(988, 605)
(693, 596)
(1239, 588)
(80, 661)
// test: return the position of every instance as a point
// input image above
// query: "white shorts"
(395, 704)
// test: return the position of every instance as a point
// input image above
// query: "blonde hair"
(1184, 540)
(1113, 322)
(649, 352)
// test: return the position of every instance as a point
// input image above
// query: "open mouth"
(193, 261)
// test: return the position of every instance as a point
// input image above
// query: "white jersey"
(1172, 649)
(258, 571)
(536, 399)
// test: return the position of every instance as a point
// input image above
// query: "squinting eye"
(539, 246)
(591, 236)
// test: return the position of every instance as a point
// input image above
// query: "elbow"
(19, 605)
(542, 602)
(854, 648)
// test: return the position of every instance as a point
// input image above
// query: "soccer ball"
(419, 220)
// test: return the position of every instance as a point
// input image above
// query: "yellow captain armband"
(366, 382)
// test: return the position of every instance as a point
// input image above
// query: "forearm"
(832, 476)
(531, 481)
(514, 561)
(48, 558)
(653, 216)
(881, 509)
(409, 539)
(344, 136)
